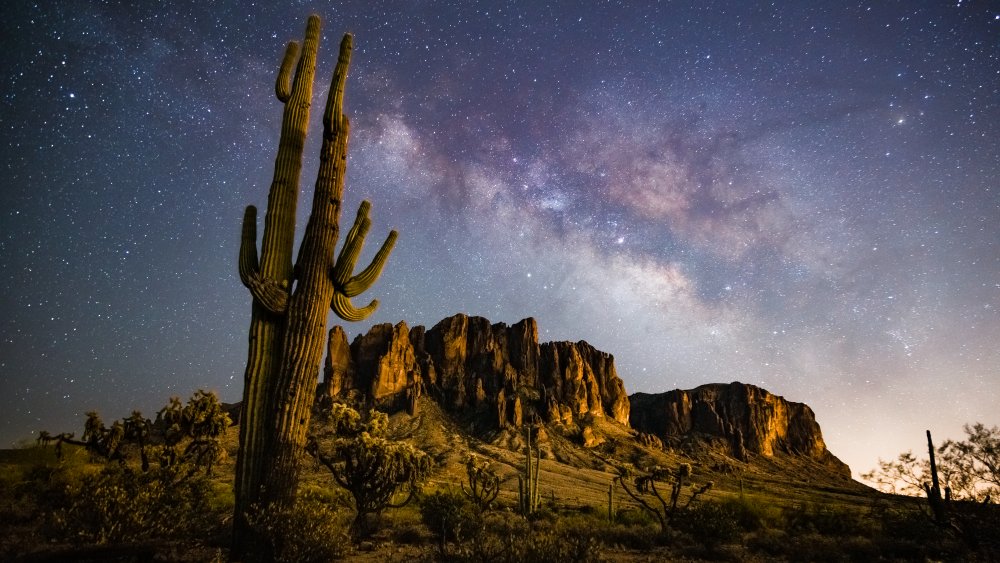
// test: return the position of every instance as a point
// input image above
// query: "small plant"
(451, 517)
(312, 531)
(710, 523)
(120, 504)
(504, 537)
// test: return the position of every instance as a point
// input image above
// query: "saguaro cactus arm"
(283, 84)
(346, 286)
(267, 292)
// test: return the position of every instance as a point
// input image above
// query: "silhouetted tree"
(644, 485)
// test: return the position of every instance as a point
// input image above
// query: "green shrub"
(753, 515)
(634, 517)
(450, 516)
(509, 538)
(710, 523)
(121, 504)
(827, 520)
(769, 542)
(311, 531)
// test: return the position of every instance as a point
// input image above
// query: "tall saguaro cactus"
(291, 302)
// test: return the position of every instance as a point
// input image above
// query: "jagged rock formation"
(506, 377)
(469, 364)
(747, 419)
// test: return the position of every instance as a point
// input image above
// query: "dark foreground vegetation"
(161, 489)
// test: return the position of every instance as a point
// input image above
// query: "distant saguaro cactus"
(291, 302)
(527, 484)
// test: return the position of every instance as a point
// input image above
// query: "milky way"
(802, 198)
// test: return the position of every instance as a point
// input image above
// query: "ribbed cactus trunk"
(288, 328)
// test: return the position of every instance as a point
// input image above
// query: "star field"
(800, 197)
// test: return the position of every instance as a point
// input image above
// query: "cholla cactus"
(645, 485)
(188, 436)
(484, 483)
(372, 468)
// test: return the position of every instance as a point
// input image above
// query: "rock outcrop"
(746, 419)
(471, 365)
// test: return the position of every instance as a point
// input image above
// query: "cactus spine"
(527, 484)
(287, 326)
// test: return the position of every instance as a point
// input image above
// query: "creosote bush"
(505, 537)
(451, 517)
(121, 504)
(710, 523)
(311, 531)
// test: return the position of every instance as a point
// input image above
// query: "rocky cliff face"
(467, 363)
(748, 419)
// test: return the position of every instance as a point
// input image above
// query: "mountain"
(742, 420)
(495, 377)
(472, 367)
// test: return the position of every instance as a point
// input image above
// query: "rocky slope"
(472, 366)
(743, 419)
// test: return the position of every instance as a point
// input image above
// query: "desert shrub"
(634, 517)
(638, 537)
(634, 529)
(908, 525)
(710, 523)
(815, 547)
(409, 533)
(449, 516)
(501, 539)
(752, 515)
(311, 531)
(827, 520)
(769, 542)
(507, 538)
(562, 543)
(812, 547)
(122, 504)
(40, 490)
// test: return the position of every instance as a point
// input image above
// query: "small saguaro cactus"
(527, 484)
(291, 301)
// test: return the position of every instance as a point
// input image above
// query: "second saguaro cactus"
(291, 302)
(527, 485)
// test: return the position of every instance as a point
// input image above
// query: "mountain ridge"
(498, 377)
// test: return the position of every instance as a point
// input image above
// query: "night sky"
(803, 198)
